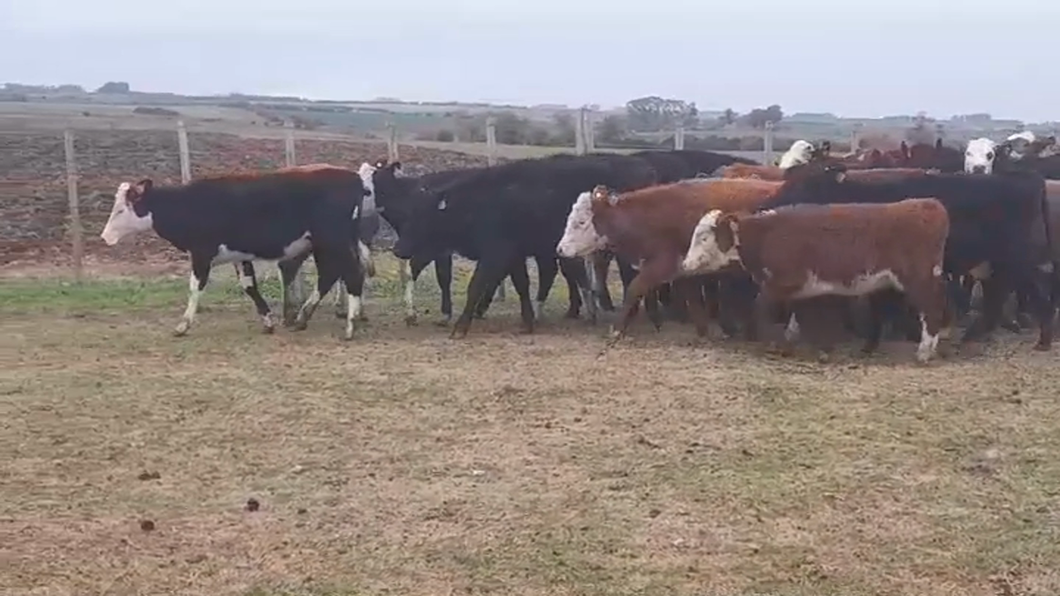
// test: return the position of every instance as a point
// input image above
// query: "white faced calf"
(277, 216)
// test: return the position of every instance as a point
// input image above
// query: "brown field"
(406, 463)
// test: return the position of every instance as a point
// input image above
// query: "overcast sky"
(847, 57)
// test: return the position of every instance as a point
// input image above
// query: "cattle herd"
(883, 241)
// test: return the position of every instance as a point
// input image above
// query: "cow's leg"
(353, 273)
(578, 285)
(408, 288)
(443, 273)
(249, 282)
(489, 272)
(626, 273)
(547, 268)
(877, 316)
(292, 281)
(927, 293)
(1036, 285)
(200, 275)
(521, 280)
(600, 263)
(692, 290)
(328, 272)
(652, 273)
(995, 291)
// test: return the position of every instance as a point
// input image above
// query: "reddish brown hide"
(654, 226)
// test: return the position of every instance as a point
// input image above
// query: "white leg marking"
(791, 332)
(268, 322)
(353, 311)
(339, 297)
(193, 305)
(928, 343)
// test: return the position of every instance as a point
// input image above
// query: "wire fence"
(57, 187)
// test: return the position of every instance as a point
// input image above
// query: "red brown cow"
(653, 226)
(802, 251)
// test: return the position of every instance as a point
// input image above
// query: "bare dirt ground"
(406, 463)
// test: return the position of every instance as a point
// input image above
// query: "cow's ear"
(138, 190)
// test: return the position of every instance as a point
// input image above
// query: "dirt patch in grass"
(406, 463)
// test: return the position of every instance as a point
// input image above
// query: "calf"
(805, 251)
(652, 226)
(276, 216)
(1002, 220)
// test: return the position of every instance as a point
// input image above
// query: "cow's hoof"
(443, 322)
(526, 329)
(571, 314)
(181, 329)
(1042, 347)
(268, 326)
(410, 320)
(350, 329)
(458, 333)
(299, 325)
(1011, 325)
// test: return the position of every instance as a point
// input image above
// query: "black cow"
(1002, 220)
(275, 216)
(502, 215)
(397, 196)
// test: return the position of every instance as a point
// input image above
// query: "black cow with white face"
(278, 216)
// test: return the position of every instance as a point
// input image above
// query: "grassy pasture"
(406, 463)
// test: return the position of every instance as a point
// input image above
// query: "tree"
(565, 129)
(511, 129)
(114, 87)
(611, 129)
(758, 117)
(654, 113)
(727, 117)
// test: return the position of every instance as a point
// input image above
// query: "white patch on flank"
(353, 311)
(859, 286)
(799, 153)
(703, 255)
(981, 271)
(928, 343)
(193, 305)
(791, 332)
(979, 156)
(123, 220)
(580, 238)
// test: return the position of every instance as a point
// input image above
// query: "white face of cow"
(367, 174)
(123, 219)
(704, 255)
(799, 153)
(1020, 142)
(979, 156)
(580, 237)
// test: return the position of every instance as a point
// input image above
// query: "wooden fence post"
(767, 145)
(185, 156)
(855, 137)
(679, 138)
(288, 144)
(579, 134)
(588, 130)
(76, 232)
(491, 141)
(391, 143)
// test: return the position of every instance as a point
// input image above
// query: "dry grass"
(405, 463)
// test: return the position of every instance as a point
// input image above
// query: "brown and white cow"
(802, 251)
(652, 227)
